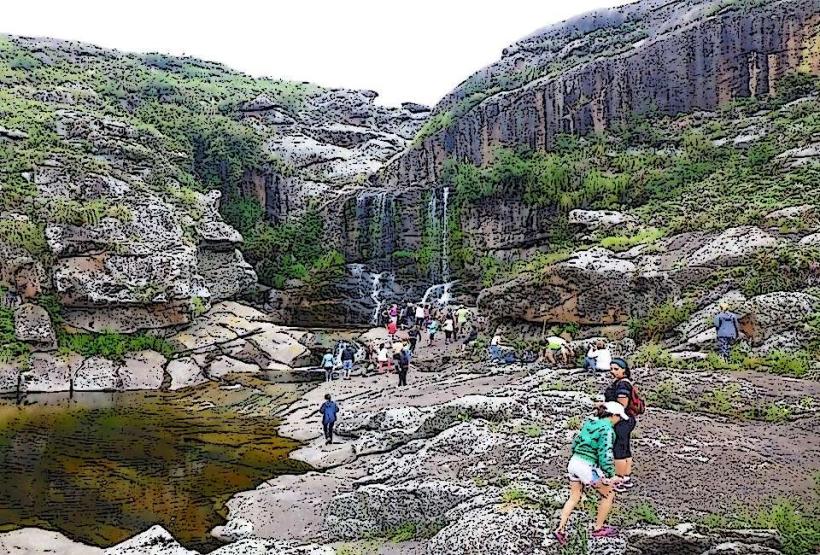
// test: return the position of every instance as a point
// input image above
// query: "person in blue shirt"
(727, 331)
(328, 363)
(328, 410)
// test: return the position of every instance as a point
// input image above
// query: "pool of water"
(101, 467)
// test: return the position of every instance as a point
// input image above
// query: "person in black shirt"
(621, 391)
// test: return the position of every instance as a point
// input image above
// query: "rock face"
(32, 324)
(674, 57)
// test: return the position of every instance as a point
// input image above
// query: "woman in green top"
(592, 465)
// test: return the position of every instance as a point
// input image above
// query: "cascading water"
(375, 294)
(445, 244)
(432, 222)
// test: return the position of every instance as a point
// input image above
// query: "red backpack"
(636, 405)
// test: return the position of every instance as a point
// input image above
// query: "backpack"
(636, 405)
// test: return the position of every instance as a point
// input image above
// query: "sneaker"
(561, 538)
(605, 532)
(621, 487)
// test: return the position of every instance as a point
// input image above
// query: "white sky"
(407, 51)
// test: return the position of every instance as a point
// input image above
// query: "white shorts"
(580, 470)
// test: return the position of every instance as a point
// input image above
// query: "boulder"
(812, 240)
(154, 541)
(275, 547)
(9, 377)
(32, 324)
(380, 508)
(594, 220)
(142, 370)
(224, 365)
(50, 373)
(591, 288)
(733, 246)
(226, 274)
(493, 530)
(96, 374)
(34, 541)
(766, 315)
(185, 372)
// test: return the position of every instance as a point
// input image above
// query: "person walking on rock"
(383, 358)
(462, 315)
(403, 363)
(328, 410)
(348, 356)
(419, 315)
(623, 392)
(392, 328)
(432, 329)
(413, 337)
(449, 328)
(727, 331)
(328, 364)
(592, 466)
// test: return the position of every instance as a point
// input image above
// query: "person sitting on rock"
(727, 331)
(592, 465)
(328, 410)
(598, 357)
(495, 347)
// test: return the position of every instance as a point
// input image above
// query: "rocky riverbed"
(470, 459)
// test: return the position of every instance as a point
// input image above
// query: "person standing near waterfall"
(419, 315)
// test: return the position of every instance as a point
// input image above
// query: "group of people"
(430, 319)
(601, 451)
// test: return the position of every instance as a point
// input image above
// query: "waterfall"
(444, 298)
(445, 245)
(432, 223)
(361, 222)
(384, 208)
(375, 294)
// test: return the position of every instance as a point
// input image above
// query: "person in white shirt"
(598, 358)
(383, 358)
(495, 347)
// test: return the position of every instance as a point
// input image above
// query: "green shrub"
(574, 423)
(643, 512)
(660, 320)
(112, 345)
(11, 350)
(796, 364)
(721, 400)
(776, 413)
(26, 235)
(799, 528)
(626, 242)
(782, 269)
(668, 394)
(652, 354)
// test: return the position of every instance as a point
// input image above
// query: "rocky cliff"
(600, 69)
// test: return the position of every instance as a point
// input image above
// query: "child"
(432, 328)
(592, 465)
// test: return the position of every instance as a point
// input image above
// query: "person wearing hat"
(620, 391)
(592, 465)
(727, 331)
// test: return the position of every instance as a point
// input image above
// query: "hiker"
(383, 359)
(591, 465)
(403, 365)
(449, 328)
(328, 363)
(557, 351)
(624, 392)
(348, 356)
(419, 315)
(462, 315)
(413, 337)
(495, 347)
(328, 410)
(392, 328)
(432, 329)
(598, 357)
(393, 313)
(727, 331)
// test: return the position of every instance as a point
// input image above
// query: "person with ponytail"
(592, 465)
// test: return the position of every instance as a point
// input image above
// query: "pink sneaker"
(605, 532)
(561, 538)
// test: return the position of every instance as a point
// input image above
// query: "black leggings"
(621, 449)
(402, 376)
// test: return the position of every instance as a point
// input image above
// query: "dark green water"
(102, 467)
